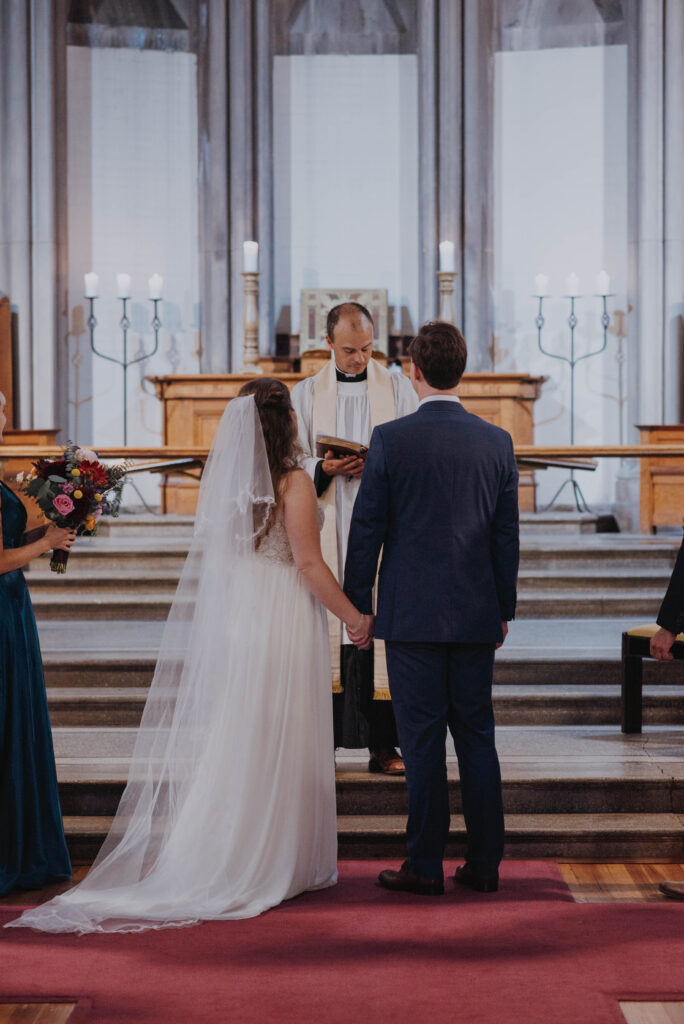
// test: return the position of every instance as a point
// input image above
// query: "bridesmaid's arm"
(301, 524)
(17, 558)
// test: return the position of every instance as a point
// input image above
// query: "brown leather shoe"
(406, 880)
(675, 890)
(480, 883)
(387, 762)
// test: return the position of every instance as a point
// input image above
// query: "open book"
(339, 447)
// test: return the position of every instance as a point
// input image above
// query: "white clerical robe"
(353, 424)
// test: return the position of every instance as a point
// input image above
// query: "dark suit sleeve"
(321, 479)
(368, 528)
(671, 614)
(505, 542)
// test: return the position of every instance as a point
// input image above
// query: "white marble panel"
(132, 205)
(560, 169)
(346, 176)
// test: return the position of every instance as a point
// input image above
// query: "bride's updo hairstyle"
(278, 424)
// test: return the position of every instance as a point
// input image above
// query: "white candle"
(541, 283)
(123, 286)
(572, 284)
(91, 282)
(603, 283)
(155, 285)
(447, 258)
(250, 257)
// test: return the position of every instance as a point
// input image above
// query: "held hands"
(349, 466)
(660, 645)
(59, 538)
(361, 633)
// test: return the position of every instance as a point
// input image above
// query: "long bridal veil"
(203, 672)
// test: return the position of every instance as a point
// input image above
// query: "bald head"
(350, 336)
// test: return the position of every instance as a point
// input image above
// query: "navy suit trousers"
(435, 686)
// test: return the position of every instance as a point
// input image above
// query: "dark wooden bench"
(635, 647)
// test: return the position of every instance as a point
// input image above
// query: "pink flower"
(68, 488)
(63, 504)
(97, 513)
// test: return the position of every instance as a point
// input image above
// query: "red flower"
(95, 472)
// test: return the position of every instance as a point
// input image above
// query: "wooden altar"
(193, 405)
(662, 480)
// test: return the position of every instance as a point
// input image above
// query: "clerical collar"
(350, 378)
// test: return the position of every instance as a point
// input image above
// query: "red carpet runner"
(355, 953)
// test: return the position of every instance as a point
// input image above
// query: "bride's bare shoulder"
(298, 487)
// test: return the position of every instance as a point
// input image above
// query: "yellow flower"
(75, 472)
(78, 495)
(98, 497)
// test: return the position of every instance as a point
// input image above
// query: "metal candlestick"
(124, 324)
(446, 296)
(250, 324)
(572, 360)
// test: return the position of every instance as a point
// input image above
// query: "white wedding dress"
(230, 803)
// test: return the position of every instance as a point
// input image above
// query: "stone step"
(142, 524)
(571, 604)
(122, 706)
(595, 836)
(165, 579)
(132, 604)
(359, 792)
(102, 605)
(589, 578)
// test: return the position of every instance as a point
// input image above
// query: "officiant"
(347, 399)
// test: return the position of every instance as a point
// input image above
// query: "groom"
(439, 495)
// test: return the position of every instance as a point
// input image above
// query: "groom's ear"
(414, 372)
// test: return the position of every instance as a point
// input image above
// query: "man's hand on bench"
(661, 644)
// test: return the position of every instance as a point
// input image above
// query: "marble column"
(657, 209)
(427, 163)
(477, 182)
(450, 134)
(212, 90)
(15, 192)
(33, 201)
(673, 201)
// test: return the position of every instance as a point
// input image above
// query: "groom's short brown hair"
(439, 351)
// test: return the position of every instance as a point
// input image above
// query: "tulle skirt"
(245, 818)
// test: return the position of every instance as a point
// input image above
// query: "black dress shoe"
(675, 890)
(480, 883)
(405, 880)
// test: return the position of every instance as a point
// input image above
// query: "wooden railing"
(617, 451)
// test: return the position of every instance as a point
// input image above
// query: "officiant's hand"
(349, 466)
(361, 635)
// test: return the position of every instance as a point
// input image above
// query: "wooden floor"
(653, 1013)
(35, 1013)
(619, 883)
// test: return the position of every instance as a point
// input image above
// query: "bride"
(230, 802)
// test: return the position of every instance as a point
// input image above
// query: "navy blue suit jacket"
(439, 496)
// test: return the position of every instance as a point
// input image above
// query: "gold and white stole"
(382, 409)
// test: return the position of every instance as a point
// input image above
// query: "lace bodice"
(275, 547)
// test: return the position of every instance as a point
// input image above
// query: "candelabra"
(250, 324)
(572, 360)
(446, 296)
(124, 324)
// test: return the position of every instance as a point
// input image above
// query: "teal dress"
(32, 845)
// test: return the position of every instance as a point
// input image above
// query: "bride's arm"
(301, 524)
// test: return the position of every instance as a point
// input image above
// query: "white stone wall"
(132, 206)
(346, 176)
(561, 205)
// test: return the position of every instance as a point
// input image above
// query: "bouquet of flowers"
(74, 491)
